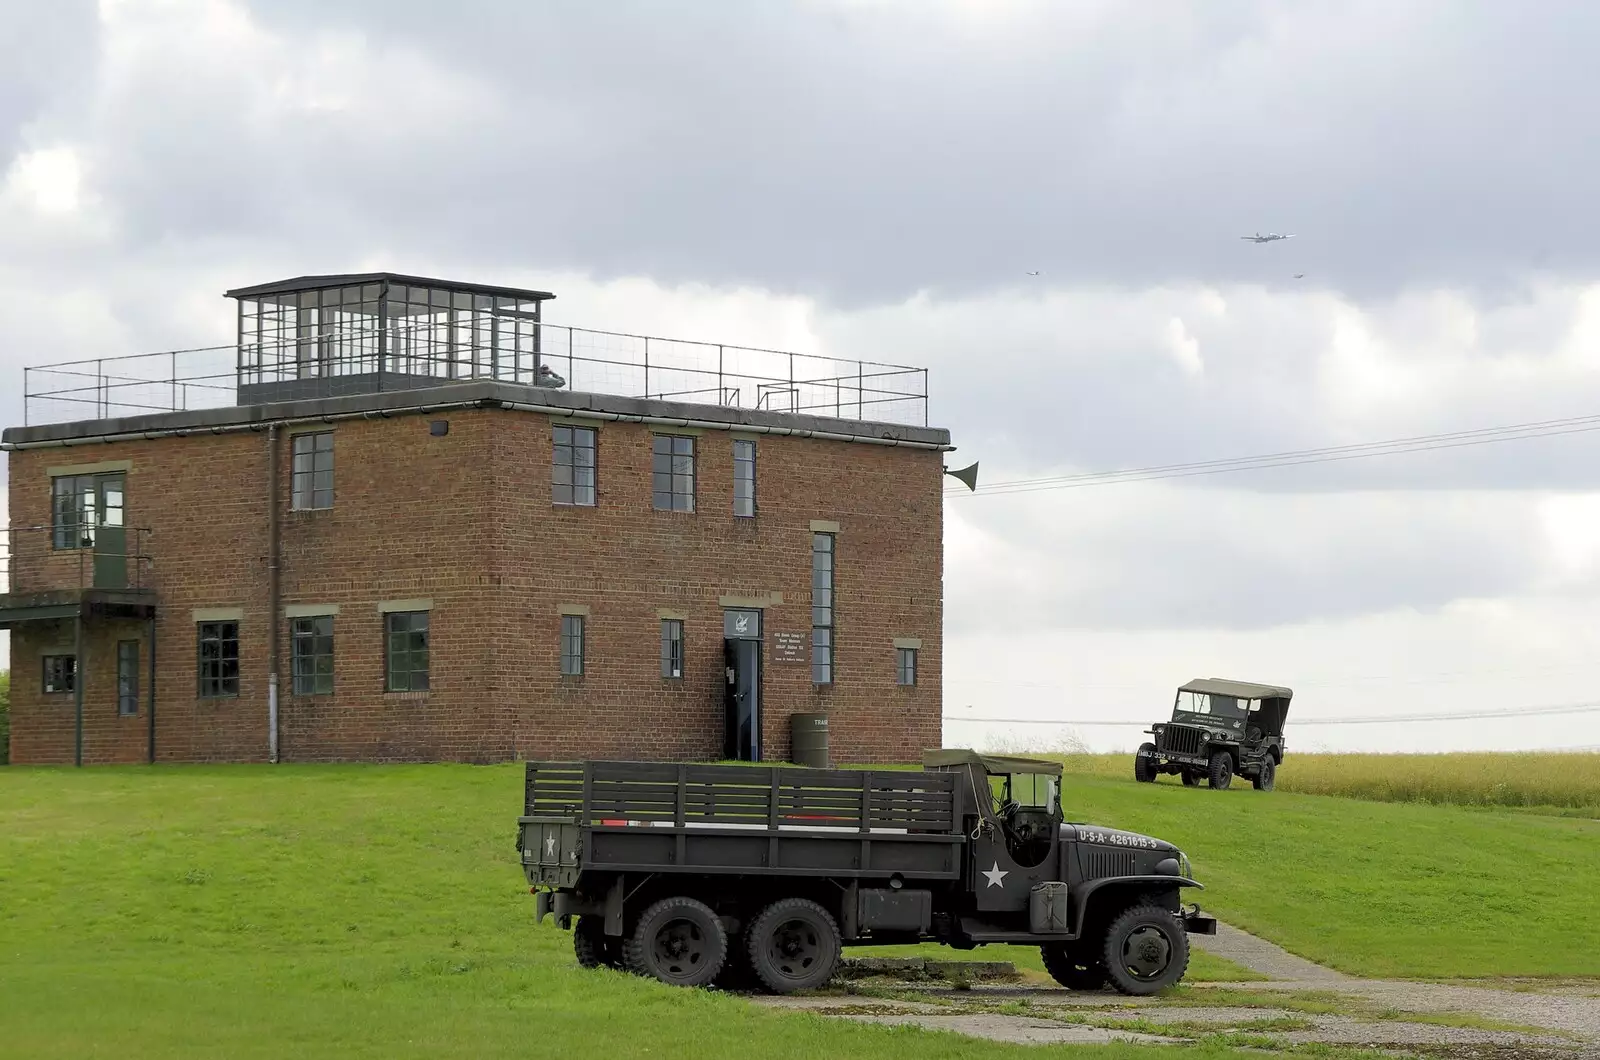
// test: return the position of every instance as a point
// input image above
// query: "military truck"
(703, 875)
(1219, 730)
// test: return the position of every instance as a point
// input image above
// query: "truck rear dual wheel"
(793, 945)
(679, 941)
(1144, 768)
(1071, 969)
(593, 947)
(1146, 950)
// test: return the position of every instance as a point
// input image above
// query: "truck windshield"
(1225, 707)
(1032, 791)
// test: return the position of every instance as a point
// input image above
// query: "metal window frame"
(298, 495)
(127, 679)
(310, 684)
(572, 447)
(672, 650)
(411, 650)
(44, 674)
(218, 682)
(676, 500)
(824, 646)
(905, 666)
(569, 639)
(741, 463)
(61, 531)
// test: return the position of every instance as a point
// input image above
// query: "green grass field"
(1552, 782)
(378, 911)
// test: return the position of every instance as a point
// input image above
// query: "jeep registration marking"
(1116, 839)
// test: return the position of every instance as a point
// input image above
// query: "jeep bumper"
(1188, 760)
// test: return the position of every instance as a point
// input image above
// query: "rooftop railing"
(314, 362)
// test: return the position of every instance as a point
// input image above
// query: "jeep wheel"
(679, 941)
(793, 945)
(1221, 771)
(1070, 970)
(1191, 779)
(1146, 950)
(593, 947)
(1144, 767)
(1268, 775)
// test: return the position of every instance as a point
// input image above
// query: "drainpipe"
(272, 592)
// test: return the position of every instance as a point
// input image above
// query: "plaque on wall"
(789, 647)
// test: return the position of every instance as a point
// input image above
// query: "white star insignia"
(550, 845)
(996, 876)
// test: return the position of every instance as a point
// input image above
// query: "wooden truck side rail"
(630, 817)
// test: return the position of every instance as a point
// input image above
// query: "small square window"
(905, 666)
(219, 660)
(312, 478)
(573, 465)
(672, 473)
(572, 645)
(311, 655)
(60, 673)
(406, 651)
(672, 648)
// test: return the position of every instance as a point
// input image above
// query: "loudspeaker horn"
(969, 475)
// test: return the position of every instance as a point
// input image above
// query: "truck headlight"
(1184, 869)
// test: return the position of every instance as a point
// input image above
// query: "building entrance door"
(741, 645)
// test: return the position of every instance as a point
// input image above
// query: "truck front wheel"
(679, 941)
(1144, 766)
(1070, 969)
(1146, 950)
(1221, 771)
(794, 945)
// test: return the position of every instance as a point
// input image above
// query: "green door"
(110, 534)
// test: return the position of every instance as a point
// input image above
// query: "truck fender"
(1085, 892)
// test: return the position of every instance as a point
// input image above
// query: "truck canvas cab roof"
(759, 875)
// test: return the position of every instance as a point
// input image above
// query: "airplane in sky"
(1268, 238)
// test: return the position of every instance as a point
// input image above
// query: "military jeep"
(1219, 730)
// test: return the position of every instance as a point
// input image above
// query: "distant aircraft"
(1033, 274)
(1299, 275)
(1268, 238)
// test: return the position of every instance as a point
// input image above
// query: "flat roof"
(481, 393)
(353, 279)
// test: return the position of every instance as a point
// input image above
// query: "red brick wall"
(466, 521)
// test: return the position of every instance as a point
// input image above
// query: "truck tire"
(1221, 771)
(1069, 968)
(1144, 769)
(593, 947)
(1268, 776)
(679, 941)
(1146, 950)
(1191, 779)
(793, 945)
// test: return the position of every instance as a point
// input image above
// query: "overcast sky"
(877, 179)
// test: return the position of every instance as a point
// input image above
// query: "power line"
(1372, 719)
(1297, 457)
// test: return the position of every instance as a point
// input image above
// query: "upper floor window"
(219, 660)
(313, 471)
(573, 471)
(822, 556)
(744, 478)
(81, 505)
(905, 666)
(672, 473)
(672, 647)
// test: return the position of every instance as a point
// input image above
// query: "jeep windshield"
(1197, 707)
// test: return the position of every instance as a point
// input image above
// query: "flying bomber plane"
(1268, 238)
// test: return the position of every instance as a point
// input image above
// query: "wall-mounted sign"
(788, 647)
(741, 625)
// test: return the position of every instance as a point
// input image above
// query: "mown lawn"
(378, 911)
(332, 912)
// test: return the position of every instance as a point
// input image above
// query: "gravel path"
(1266, 958)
